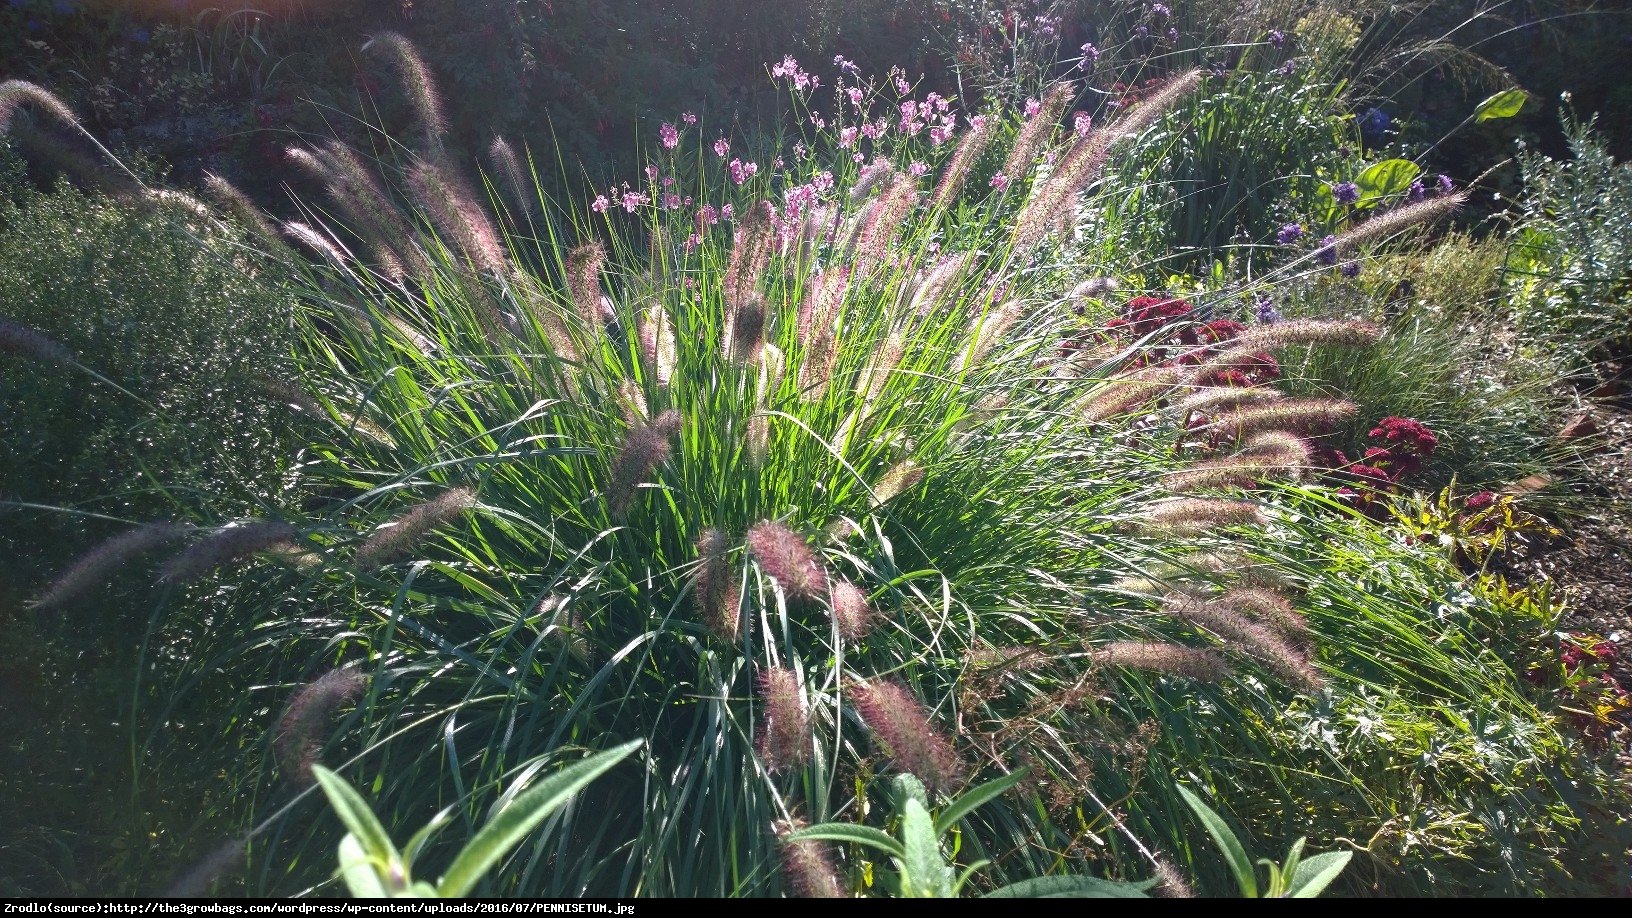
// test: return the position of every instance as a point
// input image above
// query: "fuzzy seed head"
(584, 265)
(1159, 657)
(95, 567)
(225, 546)
(20, 340)
(417, 85)
(14, 94)
(899, 479)
(1198, 515)
(784, 735)
(715, 595)
(808, 865)
(304, 726)
(1241, 633)
(391, 540)
(787, 557)
(963, 159)
(898, 722)
(1307, 331)
(453, 210)
(1036, 131)
(1301, 414)
(851, 611)
(644, 448)
(1431, 210)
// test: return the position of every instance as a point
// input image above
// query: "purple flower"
(1090, 56)
(1327, 253)
(1264, 310)
(1446, 186)
(741, 171)
(632, 200)
(1288, 68)
(1082, 123)
(847, 138)
(1141, 32)
(1416, 192)
(917, 169)
(1374, 121)
(651, 172)
(847, 66)
(601, 204)
(1277, 38)
(726, 213)
(670, 136)
(722, 147)
(855, 95)
(671, 201)
(1350, 269)
(1345, 193)
(688, 117)
(707, 215)
(1160, 10)
(1289, 234)
(938, 135)
(1000, 182)
(1033, 107)
(1172, 34)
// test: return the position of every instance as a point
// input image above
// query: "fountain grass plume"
(1271, 608)
(1170, 883)
(1122, 394)
(1093, 288)
(714, 594)
(746, 333)
(241, 208)
(755, 243)
(808, 865)
(1244, 635)
(643, 449)
(784, 735)
(1211, 399)
(876, 174)
(899, 723)
(584, 265)
(1161, 657)
(989, 330)
(456, 214)
(225, 546)
(303, 728)
(374, 216)
(1383, 225)
(937, 282)
(852, 614)
(96, 566)
(974, 143)
(897, 480)
(883, 221)
(1055, 199)
(788, 559)
(1238, 471)
(507, 163)
(417, 85)
(886, 357)
(1038, 129)
(400, 534)
(1199, 515)
(1293, 414)
(657, 345)
(307, 235)
(1335, 333)
(19, 340)
(14, 94)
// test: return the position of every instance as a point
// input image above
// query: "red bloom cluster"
(1403, 445)
(1167, 325)
(1399, 447)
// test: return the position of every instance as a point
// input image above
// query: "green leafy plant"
(1294, 877)
(373, 867)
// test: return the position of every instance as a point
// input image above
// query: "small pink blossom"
(819, 122)
(1082, 122)
(671, 201)
(722, 147)
(847, 66)
(688, 118)
(726, 212)
(857, 158)
(855, 95)
(902, 86)
(670, 136)
(799, 150)
(651, 173)
(872, 131)
(977, 122)
(823, 182)
(741, 171)
(601, 204)
(847, 138)
(633, 200)
(1033, 107)
(692, 242)
(1000, 182)
(938, 135)
(668, 181)
(707, 215)
(917, 169)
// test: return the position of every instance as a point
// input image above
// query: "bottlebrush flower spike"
(1307, 331)
(851, 611)
(747, 331)
(1122, 394)
(1387, 224)
(901, 477)
(93, 568)
(242, 209)
(1171, 884)
(1280, 446)
(898, 722)
(1269, 607)
(370, 211)
(750, 256)
(644, 448)
(879, 173)
(1093, 288)
(786, 556)
(1300, 414)
(1247, 636)
(507, 163)
(454, 212)
(302, 729)
(1222, 398)
(1036, 131)
(877, 231)
(584, 265)
(870, 383)
(14, 94)
(937, 282)
(417, 85)
(224, 546)
(400, 534)
(1193, 516)
(989, 330)
(1239, 471)
(784, 733)
(974, 143)
(808, 865)
(713, 593)
(1159, 657)
(20, 340)
(317, 242)
(657, 345)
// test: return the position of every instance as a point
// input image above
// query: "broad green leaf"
(1234, 854)
(906, 787)
(357, 816)
(1317, 872)
(1505, 104)
(1071, 887)
(359, 871)
(1391, 176)
(924, 872)
(512, 824)
(848, 832)
(967, 803)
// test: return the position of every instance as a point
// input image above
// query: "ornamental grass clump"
(779, 581)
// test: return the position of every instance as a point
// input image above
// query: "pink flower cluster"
(797, 77)
(742, 171)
